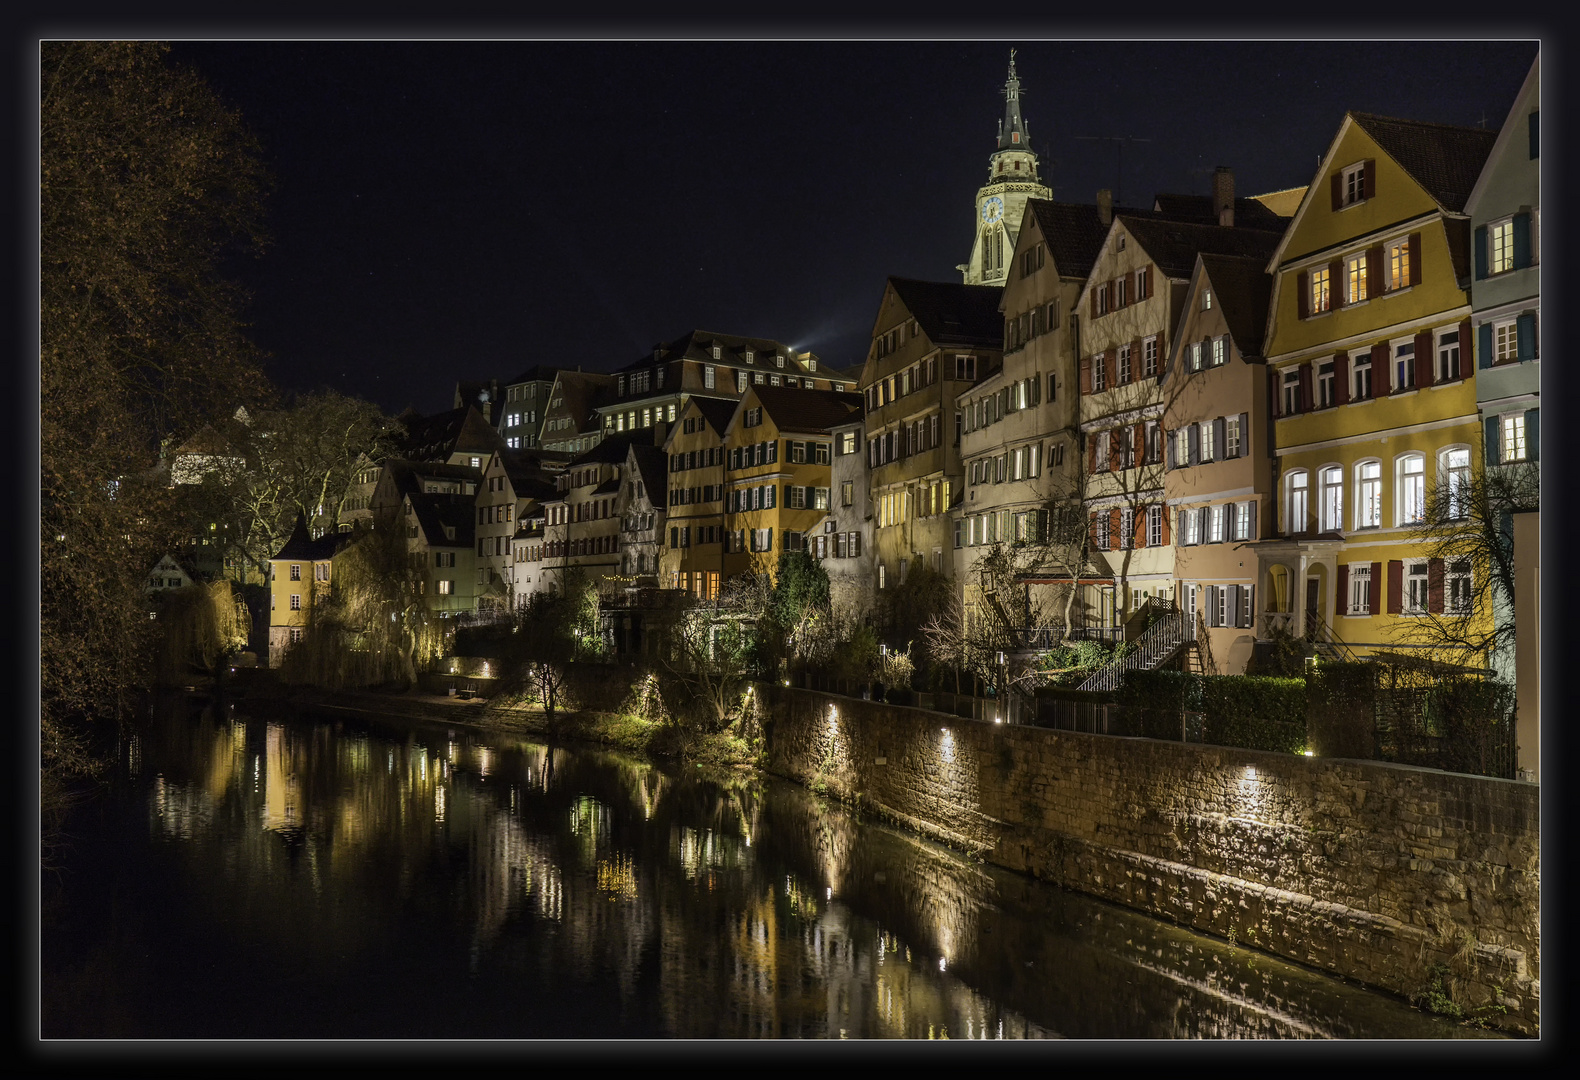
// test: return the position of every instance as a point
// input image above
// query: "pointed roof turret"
(1012, 134)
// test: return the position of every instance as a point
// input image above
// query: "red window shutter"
(1374, 586)
(1168, 532)
(1434, 586)
(1465, 349)
(1092, 531)
(1423, 359)
(1305, 388)
(1336, 283)
(1303, 295)
(1395, 586)
(1086, 376)
(1370, 187)
(1415, 258)
(1113, 527)
(1116, 454)
(1143, 282)
(1374, 269)
(1135, 359)
(1382, 378)
(1091, 454)
(1341, 378)
(1337, 184)
(1341, 603)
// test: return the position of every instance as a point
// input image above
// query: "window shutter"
(1481, 251)
(1303, 295)
(1381, 377)
(1490, 440)
(1091, 453)
(1113, 293)
(1193, 438)
(1201, 513)
(1168, 533)
(1522, 241)
(1337, 184)
(1395, 586)
(1219, 433)
(1116, 452)
(1423, 359)
(1533, 129)
(1305, 388)
(1370, 188)
(1466, 349)
(1374, 262)
(1525, 336)
(1374, 590)
(1234, 606)
(1434, 586)
(1140, 440)
(1336, 283)
(1342, 579)
(1275, 391)
(1091, 531)
(1483, 346)
(1245, 434)
(1212, 605)
(1415, 258)
(1533, 434)
(1341, 378)
(1114, 538)
(1250, 525)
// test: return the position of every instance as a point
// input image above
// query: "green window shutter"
(1522, 241)
(1533, 434)
(1525, 336)
(1484, 345)
(1481, 251)
(1490, 438)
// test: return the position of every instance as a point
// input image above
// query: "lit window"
(1368, 495)
(708, 372)
(1206, 299)
(1355, 279)
(1215, 524)
(1321, 296)
(1195, 356)
(1505, 341)
(1207, 447)
(1412, 488)
(1220, 352)
(1242, 521)
(1500, 240)
(1513, 437)
(1399, 264)
(445, 587)
(1231, 437)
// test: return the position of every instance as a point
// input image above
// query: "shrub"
(1341, 710)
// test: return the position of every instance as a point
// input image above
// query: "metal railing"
(1157, 644)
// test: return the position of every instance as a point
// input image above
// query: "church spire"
(1012, 129)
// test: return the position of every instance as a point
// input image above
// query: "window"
(1513, 437)
(1360, 597)
(1206, 299)
(1215, 515)
(1242, 521)
(1206, 439)
(740, 382)
(1448, 356)
(1368, 495)
(296, 602)
(1154, 442)
(966, 367)
(1127, 527)
(1325, 396)
(1353, 186)
(296, 635)
(1154, 526)
(1291, 392)
(1191, 520)
(1332, 504)
(296, 572)
(1231, 437)
(1361, 376)
(1124, 364)
(847, 442)
(1102, 300)
(1414, 591)
(1456, 600)
(1149, 362)
(1505, 341)
(1399, 264)
(1321, 297)
(1404, 366)
(445, 587)
(1104, 541)
(1500, 239)
(1412, 488)
(1181, 447)
(1195, 357)
(1355, 279)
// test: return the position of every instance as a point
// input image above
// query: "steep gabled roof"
(1445, 160)
(407, 476)
(716, 412)
(1248, 213)
(536, 373)
(434, 512)
(1174, 245)
(1241, 287)
(304, 548)
(809, 410)
(1074, 233)
(611, 448)
(652, 468)
(951, 313)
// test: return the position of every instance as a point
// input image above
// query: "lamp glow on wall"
(948, 745)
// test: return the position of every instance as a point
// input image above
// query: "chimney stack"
(1105, 206)
(1223, 195)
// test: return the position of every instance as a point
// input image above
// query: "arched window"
(1331, 499)
(1410, 481)
(1297, 504)
(1368, 494)
(1453, 474)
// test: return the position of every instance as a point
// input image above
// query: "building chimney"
(1105, 206)
(1223, 195)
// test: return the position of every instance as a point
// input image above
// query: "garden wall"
(1402, 878)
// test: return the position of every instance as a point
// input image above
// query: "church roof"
(1012, 134)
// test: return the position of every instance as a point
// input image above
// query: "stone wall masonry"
(1387, 874)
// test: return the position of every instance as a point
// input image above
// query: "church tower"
(1001, 202)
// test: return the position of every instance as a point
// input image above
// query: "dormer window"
(716, 352)
(811, 364)
(779, 360)
(749, 355)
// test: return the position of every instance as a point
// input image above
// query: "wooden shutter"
(1434, 586)
(1423, 359)
(1490, 441)
(1250, 527)
(1113, 293)
(1220, 431)
(1382, 378)
(1337, 185)
(1305, 388)
(1168, 532)
(1091, 453)
(1303, 295)
(1374, 264)
(1467, 351)
(1114, 536)
(1275, 389)
(1415, 258)
(1086, 377)
(1140, 442)
(1337, 290)
(1525, 336)
(1341, 378)
(1116, 453)
(1369, 189)
(1193, 441)
(1341, 603)
(1522, 241)
(1234, 606)
(1481, 251)
(1395, 586)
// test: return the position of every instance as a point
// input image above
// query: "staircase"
(1326, 645)
(1156, 646)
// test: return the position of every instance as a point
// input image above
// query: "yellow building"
(693, 556)
(298, 575)
(1373, 387)
(777, 449)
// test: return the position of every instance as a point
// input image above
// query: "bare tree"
(711, 648)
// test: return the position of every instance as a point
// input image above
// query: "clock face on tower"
(993, 210)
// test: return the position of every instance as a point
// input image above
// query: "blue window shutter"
(1533, 434)
(1535, 127)
(1484, 345)
(1481, 251)
(1522, 241)
(1525, 336)
(1490, 438)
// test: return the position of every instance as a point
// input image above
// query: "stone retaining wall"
(1388, 874)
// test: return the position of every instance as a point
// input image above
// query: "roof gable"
(1514, 128)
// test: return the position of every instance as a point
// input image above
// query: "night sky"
(449, 211)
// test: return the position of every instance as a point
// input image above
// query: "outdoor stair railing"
(1326, 643)
(1155, 646)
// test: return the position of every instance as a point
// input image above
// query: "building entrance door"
(1313, 602)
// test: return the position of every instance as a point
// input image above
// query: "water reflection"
(372, 880)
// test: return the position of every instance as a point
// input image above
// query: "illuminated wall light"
(940, 963)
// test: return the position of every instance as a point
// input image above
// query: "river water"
(306, 877)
